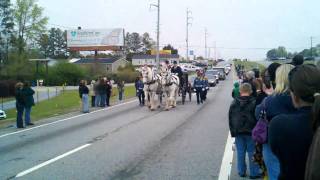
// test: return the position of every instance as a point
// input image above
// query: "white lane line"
(51, 161)
(226, 165)
(62, 120)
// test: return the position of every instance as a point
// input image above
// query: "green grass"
(249, 65)
(64, 103)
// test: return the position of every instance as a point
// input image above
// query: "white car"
(189, 68)
(3, 115)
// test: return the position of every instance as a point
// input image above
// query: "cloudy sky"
(240, 28)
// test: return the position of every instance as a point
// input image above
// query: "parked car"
(3, 114)
(222, 72)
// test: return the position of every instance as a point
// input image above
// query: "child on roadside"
(241, 123)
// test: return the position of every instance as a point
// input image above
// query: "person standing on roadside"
(236, 90)
(20, 103)
(249, 78)
(140, 93)
(279, 102)
(108, 92)
(93, 92)
(103, 92)
(28, 93)
(97, 92)
(83, 93)
(290, 135)
(120, 86)
(260, 91)
(241, 123)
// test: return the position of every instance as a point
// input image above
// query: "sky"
(239, 28)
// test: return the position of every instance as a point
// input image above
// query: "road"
(124, 142)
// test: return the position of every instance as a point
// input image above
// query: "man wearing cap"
(178, 71)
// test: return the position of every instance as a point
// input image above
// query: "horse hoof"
(152, 109)
(167, 109)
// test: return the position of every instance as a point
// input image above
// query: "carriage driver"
(178, 71)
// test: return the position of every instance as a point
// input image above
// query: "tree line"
(281, 52)
(24, 35)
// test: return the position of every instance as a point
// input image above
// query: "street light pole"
(205, 42)
(187, 38)
(158, 35)
(311, 38)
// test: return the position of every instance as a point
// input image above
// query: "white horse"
(170, 84)
(151, 84)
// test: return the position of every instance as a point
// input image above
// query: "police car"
(3, 115)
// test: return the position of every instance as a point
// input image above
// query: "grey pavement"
(124, 142)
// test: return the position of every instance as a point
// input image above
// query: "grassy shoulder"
(66, 102)
(249, 65)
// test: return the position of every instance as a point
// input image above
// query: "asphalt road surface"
(124, 142)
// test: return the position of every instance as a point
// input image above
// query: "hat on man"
(175, 62)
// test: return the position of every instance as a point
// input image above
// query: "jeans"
(199, 95)
(85, 103)
(141, 97)
(103, 100)
(120, 95)
(108, 99)
(97, 100)
(93, 101)
(271, 161)
(245, 144)
(27, 114)
(20, 110)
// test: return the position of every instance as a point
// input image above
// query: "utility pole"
(158, 34)
(205, 43)
(311, 38)
(215, 51)
(187, 38)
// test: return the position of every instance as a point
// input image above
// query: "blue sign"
(191, 52)
(73, 33)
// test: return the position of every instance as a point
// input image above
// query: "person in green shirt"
(235, 91)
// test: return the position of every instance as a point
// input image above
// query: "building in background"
(140, 60)
(111, 65)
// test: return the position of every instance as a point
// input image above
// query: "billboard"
(95, 39)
